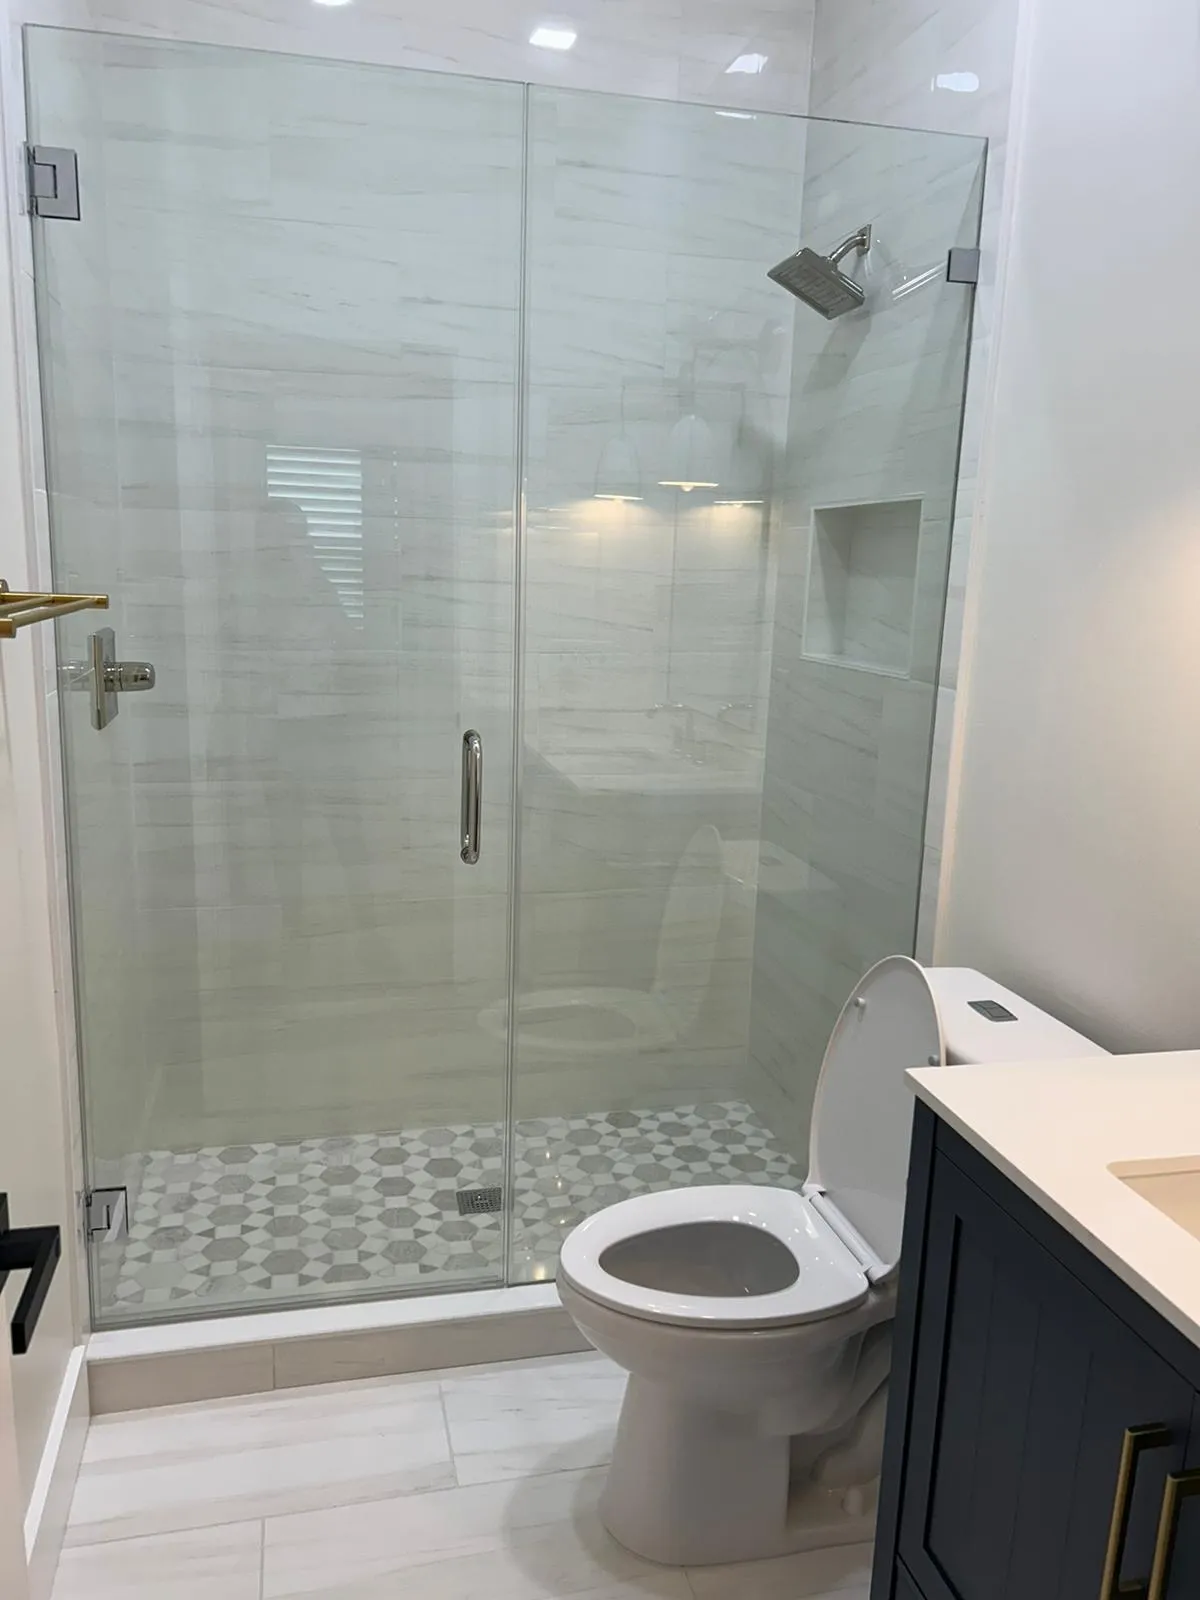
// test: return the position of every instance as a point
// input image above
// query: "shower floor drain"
(477, 1202)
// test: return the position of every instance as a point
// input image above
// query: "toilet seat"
(842, 1230)
(829, 1277)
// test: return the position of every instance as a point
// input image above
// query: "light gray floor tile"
(844, 1572)
(356, 1483)
(529, 1417)
(538, 1539)
(202, 1564)
(223, 1461)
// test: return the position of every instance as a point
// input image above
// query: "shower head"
(819, 281)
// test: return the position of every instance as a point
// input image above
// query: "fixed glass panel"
(737, 535)
(864, 495)
(280, 358)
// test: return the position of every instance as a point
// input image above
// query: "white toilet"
(754, 1323)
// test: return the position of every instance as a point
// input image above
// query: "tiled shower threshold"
(209, 1358)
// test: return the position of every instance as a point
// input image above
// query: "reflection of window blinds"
(327, 485)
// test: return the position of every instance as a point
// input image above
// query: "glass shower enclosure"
(436, 438)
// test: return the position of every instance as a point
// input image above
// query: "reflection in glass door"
(279, 363)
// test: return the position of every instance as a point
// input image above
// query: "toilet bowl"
(755, 1322)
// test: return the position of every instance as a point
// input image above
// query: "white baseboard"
(50, 1502)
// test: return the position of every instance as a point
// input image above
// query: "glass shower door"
(738, 524)
(280, 359)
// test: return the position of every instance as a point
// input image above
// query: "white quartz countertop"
(1055, 1127)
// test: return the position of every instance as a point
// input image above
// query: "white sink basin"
(1172, 1186)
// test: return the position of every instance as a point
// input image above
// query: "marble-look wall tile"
(660, 49)
(869, 475)
(647, 618)
(949, 68)
(287, 801)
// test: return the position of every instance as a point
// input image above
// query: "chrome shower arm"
(860, 241)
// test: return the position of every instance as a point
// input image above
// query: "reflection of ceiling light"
(956, 82)
(690, 456)
(747, 63)
(331, 2)
(739, 116)
(548, 38)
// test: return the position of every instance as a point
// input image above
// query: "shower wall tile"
(647, 620)
(663, 48)
(949, 68)
(285, 807)
(848, 745)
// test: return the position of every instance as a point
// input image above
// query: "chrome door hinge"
(962, 265)
(104, 677)
(52, 181)
(106, 1214)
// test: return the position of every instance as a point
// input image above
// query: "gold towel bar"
(18, 610)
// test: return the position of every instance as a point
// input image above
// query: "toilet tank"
(983, 1021)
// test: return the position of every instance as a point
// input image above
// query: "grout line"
(165, 1533)
(441, 1383)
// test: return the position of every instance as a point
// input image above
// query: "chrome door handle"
(472, 795)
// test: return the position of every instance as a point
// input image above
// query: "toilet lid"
(647, 1239)
(862, 1114)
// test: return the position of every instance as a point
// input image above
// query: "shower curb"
(131, 1369)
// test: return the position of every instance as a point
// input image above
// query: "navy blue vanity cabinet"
(1041, 1414)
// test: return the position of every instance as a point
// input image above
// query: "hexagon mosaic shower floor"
(367, 1212)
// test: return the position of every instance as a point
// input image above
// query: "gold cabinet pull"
(1180, 1486)
(1150, 1436)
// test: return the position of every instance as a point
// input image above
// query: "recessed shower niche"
(862, 574)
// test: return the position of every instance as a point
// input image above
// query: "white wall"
(1076, 869)
(39, 1130)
